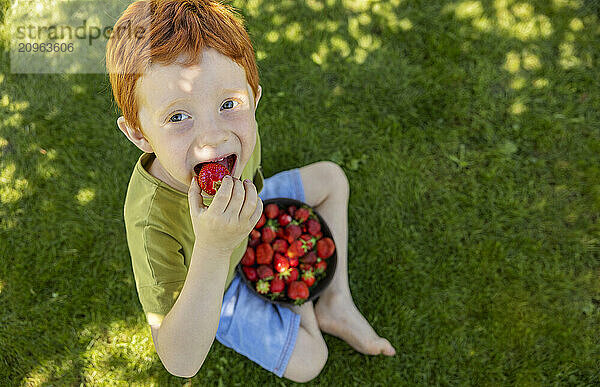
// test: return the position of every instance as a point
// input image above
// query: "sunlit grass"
(468, 133)
(85, 195)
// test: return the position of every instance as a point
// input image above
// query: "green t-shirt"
(161, 238)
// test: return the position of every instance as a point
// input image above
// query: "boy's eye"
(177, 117)
(229, 104)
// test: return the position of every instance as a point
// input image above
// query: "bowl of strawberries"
(291, 255)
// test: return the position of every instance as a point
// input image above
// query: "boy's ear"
(258, 95)
(134, 136)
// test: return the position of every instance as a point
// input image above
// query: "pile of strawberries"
(287, 253)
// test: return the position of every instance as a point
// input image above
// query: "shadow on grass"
(450, 77)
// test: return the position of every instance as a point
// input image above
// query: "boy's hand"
(234, 211)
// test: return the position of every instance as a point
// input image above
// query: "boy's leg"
(326, 189)
(310, 351)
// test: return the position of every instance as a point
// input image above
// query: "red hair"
(159, 31)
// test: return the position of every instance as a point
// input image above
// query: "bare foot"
(338, 316)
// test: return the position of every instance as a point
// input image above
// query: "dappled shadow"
(462, 77)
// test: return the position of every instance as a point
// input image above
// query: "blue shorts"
(263, 332)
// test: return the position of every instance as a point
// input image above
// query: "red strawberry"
(280, 246)
(277, 285)
(304, 267)
(291, 210)
(249, 256)
(301, 214)
(250, 272)
(262, 286)
(309, 241)
(319, 235)
(210, 176)
(310, 258)
(313, 226)
(254, 234)
(264, 272)
(293, 261)
(293, 231)
(309, 278)
(320, 267)
(284, 219)
(254, 238)
(297, 290)
(254, 242)
(280, 233)
(294, 274)
(325, 247)
(272, 211)
(281, 263)
(261, 221)
(268, 234)
(264, 254)
(295, 250)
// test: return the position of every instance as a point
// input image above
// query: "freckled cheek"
(247, 133)
(175, 151)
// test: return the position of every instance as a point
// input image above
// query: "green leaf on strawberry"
(263, 286)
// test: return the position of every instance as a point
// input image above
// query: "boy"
(188, 89)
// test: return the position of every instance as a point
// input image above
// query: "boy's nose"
(211, 135)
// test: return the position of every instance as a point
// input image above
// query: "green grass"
(469, 132)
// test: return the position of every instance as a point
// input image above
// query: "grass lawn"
(469, 132)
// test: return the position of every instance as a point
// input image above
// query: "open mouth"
(227, 161)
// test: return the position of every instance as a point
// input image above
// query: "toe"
(387, 348)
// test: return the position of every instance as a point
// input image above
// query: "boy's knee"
(309, 364)
(337, 176)
(321, 354)
(316, 364)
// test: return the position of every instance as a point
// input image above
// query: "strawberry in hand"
(210, 177)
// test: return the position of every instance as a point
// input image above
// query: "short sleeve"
(159, 271)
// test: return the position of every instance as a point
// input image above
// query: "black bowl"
(317, 288)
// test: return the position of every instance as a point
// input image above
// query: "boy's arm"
(187, 332)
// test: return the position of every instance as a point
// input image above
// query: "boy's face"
(192, 115)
